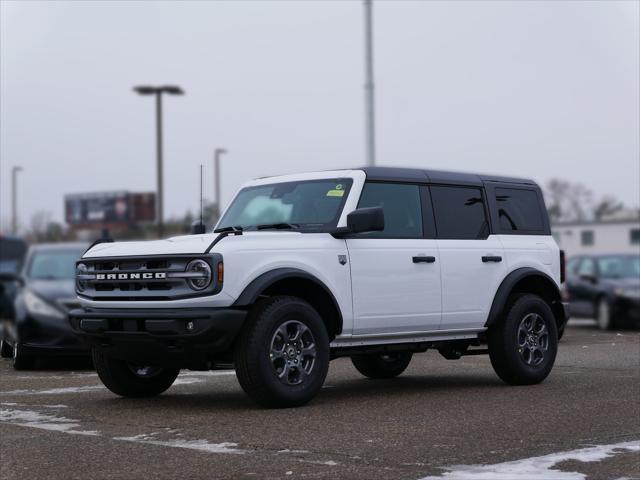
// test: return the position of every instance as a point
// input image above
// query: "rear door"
(471, 260)
(395, 274)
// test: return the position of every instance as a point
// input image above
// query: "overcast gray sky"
(539, 89)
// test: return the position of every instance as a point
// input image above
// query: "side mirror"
(589, 278)
(8, 277)
(362, 220)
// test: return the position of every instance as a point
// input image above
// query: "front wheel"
(385, 365)
(128, 380)
(6, 351)
(282, 356)
(22, 360)
(523, 346)
(604, 314)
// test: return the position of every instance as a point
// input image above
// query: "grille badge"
(131, 276)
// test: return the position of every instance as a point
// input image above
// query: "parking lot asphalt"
(441, 417)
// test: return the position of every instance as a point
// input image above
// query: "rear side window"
(518, 210)
(401, 205)
(459, 212)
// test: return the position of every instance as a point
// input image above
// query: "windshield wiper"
(235, 228)
(278, 226)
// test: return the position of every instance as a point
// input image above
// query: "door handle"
(491, 258)
(421, 259)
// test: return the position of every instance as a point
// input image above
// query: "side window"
(572, 265)
(401, 205)
(587, 267)
(459, 212)
(518, 210)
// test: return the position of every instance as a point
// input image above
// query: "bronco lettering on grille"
(131, 276)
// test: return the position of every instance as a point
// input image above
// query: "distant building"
(618, 233)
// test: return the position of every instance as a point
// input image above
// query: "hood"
(175, 245)
(185, 244)
(53, 290)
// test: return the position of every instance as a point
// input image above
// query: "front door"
(395, 274)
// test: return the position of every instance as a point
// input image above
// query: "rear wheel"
(604, 314)
(523, 346)
(128, 380)
(282, 356)
(382, 365)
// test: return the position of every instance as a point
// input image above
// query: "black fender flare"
(506, 287)
(259, 284)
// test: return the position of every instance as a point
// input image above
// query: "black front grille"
(143, 278)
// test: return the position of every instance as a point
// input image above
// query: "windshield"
(306, 205)
(54, 264)
(619, 266)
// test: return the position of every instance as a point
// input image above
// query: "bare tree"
(568, 201)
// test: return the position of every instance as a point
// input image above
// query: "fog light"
(190, 325)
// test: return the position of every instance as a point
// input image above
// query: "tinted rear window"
(459, 212)
(518, 210)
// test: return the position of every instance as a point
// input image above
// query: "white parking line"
(537, 468)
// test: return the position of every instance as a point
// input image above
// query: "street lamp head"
(16, 169)
(172, 90)
(220, 151)
(145, 90)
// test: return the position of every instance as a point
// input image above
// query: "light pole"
(369, 85)
(14, 199)
(216, 176)
(158, 91)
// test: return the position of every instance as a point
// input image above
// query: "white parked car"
(372, 263)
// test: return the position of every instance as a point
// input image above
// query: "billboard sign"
(119, 207)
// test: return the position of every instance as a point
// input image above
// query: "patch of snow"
(33, 419)
(536, 468)
(202, 445)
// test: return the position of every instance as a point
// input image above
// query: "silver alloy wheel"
(533, 339)
(604, 316)
(292, 352)
(144, 371)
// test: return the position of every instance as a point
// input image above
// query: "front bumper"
(189, 338)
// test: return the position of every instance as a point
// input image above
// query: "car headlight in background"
(81, 269)
(627, 292)
(203, 279)
(37, 306)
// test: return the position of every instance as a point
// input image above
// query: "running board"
(408, 337)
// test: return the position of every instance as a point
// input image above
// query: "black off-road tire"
(382, 365)
(258, 369)
(120, 377)
(509, 357)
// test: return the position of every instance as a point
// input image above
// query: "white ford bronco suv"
(373, 263)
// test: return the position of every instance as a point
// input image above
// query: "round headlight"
(81, 269)
(203, 270)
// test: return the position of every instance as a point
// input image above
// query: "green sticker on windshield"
(338, 191)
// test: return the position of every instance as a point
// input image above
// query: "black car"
(45, 292)
(606, 288)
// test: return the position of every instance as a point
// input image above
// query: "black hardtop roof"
(397, 174)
